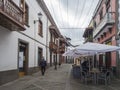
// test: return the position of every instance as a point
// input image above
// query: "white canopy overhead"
(90, 49)
(98, 48)
(77, 53)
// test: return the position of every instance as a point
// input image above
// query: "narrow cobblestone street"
(60, 79)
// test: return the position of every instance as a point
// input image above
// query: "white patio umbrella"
(72, 53)
(97, 48)
(78, 53)
(89, 49)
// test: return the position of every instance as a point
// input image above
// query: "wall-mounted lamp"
(39, 17)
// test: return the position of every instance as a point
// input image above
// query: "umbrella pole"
(93, 61)
(80, 69)
(98, 60)
(89, 62)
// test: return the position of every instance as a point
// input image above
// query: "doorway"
(51, 58)
(40, 54)
(101, 60)
(22, 58)
(108, 60)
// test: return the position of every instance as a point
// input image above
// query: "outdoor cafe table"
(95, 75)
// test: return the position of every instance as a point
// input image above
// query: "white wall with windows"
(9, 40)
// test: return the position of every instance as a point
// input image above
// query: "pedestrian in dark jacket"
(43, 65)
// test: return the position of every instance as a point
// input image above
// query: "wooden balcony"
(61, 49)
(53, 47)
(11, 16)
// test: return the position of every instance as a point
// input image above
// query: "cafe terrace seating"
(85, 77)
(96, 76)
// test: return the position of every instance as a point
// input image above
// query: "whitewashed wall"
(9, 40)
(8, 50)
(17, 2)
(48, 40)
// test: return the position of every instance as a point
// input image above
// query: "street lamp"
(39, 17)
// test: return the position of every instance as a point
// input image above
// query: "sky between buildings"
(72, 16)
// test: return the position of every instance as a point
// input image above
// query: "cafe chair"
(86, 77)
(104, 76)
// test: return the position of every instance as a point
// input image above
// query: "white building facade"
(23, 39)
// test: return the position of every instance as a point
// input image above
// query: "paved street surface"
(60, 79)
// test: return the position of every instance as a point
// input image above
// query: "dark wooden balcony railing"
(11, 13)
(61, 50)
(53, 46)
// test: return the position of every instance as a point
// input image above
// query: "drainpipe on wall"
(34, 46)
(47, 41)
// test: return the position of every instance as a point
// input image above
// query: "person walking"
(43, 65)
(59, 64)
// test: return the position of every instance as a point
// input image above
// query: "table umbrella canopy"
(98, 48)
(88, 49)
(77, 53)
